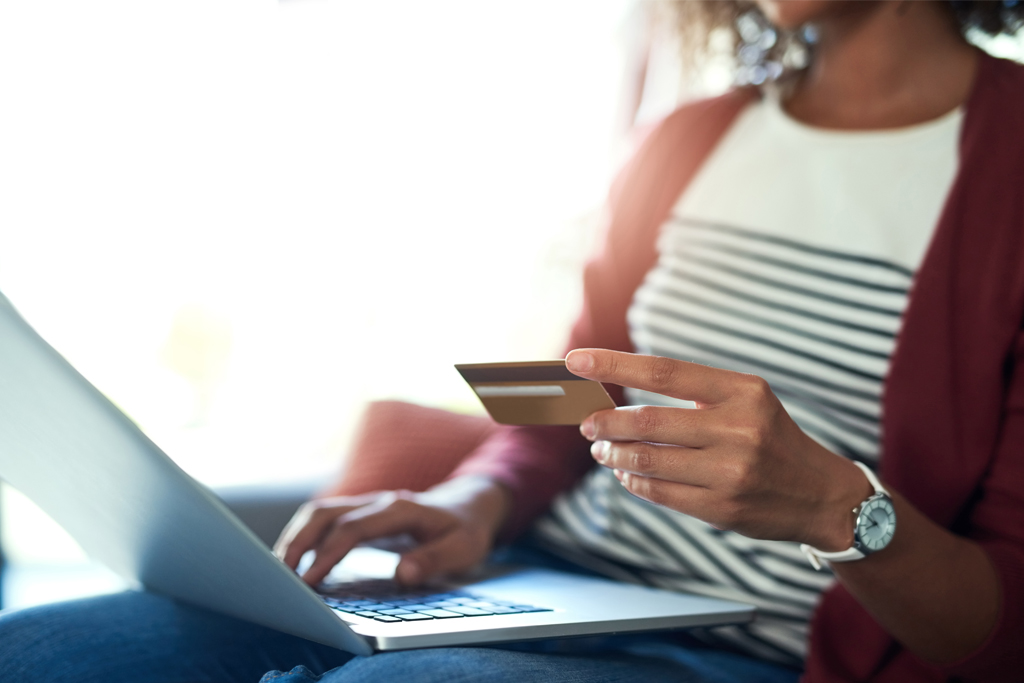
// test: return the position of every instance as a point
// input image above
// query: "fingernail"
(600, 451)
(587, 428)
(409, 572)
(579, 361)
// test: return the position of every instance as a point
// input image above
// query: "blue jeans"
(134, 637)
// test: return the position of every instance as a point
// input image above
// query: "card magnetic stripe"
(555, 373)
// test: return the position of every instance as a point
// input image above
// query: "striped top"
(803, 289)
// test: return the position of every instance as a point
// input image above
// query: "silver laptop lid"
(69, 449)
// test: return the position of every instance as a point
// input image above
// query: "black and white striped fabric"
(789, 256)
(819, 325)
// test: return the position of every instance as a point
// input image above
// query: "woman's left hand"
(737, 461)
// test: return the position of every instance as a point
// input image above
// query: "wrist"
(481, 501)
(833, 524)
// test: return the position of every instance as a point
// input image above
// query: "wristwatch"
(873, 530)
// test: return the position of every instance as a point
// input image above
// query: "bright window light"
(243, 220)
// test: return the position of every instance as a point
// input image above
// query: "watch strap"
(872, 479)
(815, 556)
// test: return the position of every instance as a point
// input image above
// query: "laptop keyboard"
(385, 601)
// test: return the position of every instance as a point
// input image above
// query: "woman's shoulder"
(1002, 74)
(679, 142)
(995, 109)
(703, 117)
(992, 135)
(662, 165)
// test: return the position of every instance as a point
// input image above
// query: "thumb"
(452, 553)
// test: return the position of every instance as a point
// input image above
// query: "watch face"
(876, 523)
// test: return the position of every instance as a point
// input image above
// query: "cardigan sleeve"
(997, 524)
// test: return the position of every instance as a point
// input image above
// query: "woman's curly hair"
(696, 21)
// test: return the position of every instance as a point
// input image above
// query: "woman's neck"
(884, 65)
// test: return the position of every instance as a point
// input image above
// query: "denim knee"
(299, 674)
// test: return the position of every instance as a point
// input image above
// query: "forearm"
(739, 462)
(934, 591)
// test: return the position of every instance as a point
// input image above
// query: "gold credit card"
(535, 392)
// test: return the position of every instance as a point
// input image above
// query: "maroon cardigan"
(953, 407)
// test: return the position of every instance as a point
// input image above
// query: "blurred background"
(242, 220)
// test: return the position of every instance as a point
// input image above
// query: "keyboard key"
(375, 599)
(384, 617)
(470, 611)
(414, 616)
(442, 614)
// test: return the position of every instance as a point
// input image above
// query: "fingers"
(311, 522)
(389, 518)
(695, 501)
(677, 426)
(670, 463)
(665, 376)
(452, 553)
(304, 531)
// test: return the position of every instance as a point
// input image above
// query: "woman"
(785, 246)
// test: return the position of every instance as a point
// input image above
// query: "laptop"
(69, 449)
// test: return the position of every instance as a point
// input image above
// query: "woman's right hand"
(454, 525)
